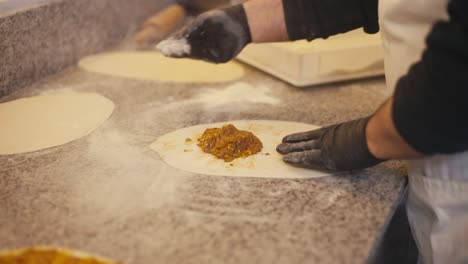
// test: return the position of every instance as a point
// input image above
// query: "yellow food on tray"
(49, 255)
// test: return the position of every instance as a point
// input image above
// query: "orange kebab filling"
(229, 143)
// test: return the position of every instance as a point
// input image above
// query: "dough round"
(154, 66)
(181, 153)
(36, 123)
(35, 255)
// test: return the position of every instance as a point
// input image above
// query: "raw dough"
(155, 66)
(181, 153)
(50, 255)
(35, 123)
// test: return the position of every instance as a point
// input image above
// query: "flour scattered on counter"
(135, 181)
(240, 92)
(57, 91)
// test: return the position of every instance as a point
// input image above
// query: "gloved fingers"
(308, 158)
(199, 39)
(211, 38)
(286, 148)
(304, 136)
(215, 36)
(202, 50)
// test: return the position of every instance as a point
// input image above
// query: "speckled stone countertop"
(41, 37)
(8, 6)
(111, 195)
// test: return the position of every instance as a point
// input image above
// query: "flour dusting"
(137, 180)
(240, 92)
(174, 47)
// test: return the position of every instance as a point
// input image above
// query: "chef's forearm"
(266, 20)
(311, 19)
(430, 106)
(280, 20)
(383, 139)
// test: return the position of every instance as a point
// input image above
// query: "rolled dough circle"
(34, 255)
(154, 66)
(185, 155)
(40, 122)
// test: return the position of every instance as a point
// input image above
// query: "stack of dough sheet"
(343, 57)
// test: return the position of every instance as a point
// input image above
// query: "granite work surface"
(111, 195)
(9, 6)
(41, 37)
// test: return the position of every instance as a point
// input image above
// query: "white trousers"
(437, 208)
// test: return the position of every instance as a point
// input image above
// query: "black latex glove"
(197, 6)
(215, 36)
(340, 147)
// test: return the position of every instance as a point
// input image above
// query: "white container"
(343, 57)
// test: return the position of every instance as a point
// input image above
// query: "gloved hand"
(340, 147)
(215, 36)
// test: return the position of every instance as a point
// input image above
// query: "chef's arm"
(430, 105)
(352, 145)
(219, 35)
(266, 20)
(383, 139)
(311, 19)
(279, 20)
(428, 113)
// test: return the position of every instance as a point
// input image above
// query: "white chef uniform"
(437, 204)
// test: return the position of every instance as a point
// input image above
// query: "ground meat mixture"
(229, 143)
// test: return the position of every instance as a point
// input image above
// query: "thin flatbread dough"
(40, 122)
(50, 255)
(179, 152)
(149, 65)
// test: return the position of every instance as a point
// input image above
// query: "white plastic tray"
(347, 56)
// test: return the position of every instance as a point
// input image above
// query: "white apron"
(437, 204)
